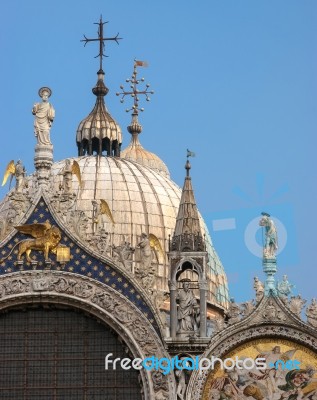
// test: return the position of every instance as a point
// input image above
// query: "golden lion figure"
(47, 238)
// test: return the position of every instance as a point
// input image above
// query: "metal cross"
(101, 40)
(135, 92)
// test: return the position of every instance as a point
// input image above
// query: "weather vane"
(135, 92)
(101, 39)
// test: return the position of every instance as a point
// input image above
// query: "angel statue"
(68, 171)
(147, 244)
(47, 238)
(17, 170)
(100, 214)
(270, 245)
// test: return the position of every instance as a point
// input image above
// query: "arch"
(185, 261)
(100, 301)
(258, 325)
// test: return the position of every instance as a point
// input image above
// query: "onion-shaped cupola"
(99, 133)
(135, 151)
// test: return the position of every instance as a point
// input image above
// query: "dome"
(140, 200)
(136, 152)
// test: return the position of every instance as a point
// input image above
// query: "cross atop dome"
(101, 39)
(99, 133)
(135, 92)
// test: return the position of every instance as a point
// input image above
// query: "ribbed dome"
(136, 152)
(141, 200)
(99, 132)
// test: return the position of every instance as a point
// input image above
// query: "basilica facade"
(104, 257)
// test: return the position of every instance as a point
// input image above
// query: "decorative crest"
(101, 39)
(135, 92)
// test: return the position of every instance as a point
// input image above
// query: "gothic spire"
(187, 235)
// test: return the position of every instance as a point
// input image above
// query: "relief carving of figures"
(123, 314)
(143, 336)
(311, 313)
(259, 289)
(15, 286)
(159, 381)
(41, 283)
(63, 204)
(284, 288)
(72, 286)
(270, 244)
(12, 216)
(104, 300)
(272, 313)
(296, 305)
(124, 253)
(100, 241)
(77, 222)
(233, 313)
(44, 116)
(187, 311)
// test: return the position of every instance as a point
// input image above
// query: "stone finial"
(311, 313)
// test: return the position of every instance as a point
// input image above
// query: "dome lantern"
(99, 132)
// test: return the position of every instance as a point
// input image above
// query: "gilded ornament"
(47, 238)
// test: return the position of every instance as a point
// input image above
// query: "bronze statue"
(47, 238)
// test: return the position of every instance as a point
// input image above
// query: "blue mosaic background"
(80, 263)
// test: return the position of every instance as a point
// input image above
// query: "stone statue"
(247, 309)
(16, 170)
(44, 116)
(187, 311)
(180, 375)
(67, 177)
(259, 289)
(146, 251)
(234, 312)
(296, 305)
(270, 245)
(311, 313)
(284, 288)
(19, 176)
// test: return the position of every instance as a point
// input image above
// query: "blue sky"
(235, 81)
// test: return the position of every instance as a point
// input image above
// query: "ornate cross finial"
(101, 39)
(135, 92)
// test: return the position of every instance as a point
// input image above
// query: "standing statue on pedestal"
(44, 116)
(187, 310)
(270, 244)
